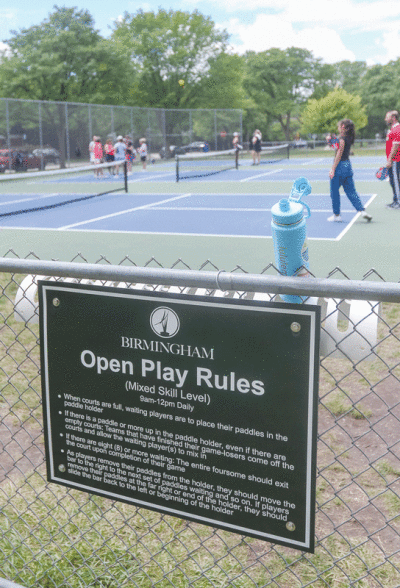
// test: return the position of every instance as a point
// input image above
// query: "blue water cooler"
(290, 235)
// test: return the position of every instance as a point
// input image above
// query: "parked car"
(299, 144)
(171, 151)
(20, 160)
(196, 146)
(49, 154)
(174, 150)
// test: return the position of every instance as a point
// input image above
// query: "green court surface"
(362, 247)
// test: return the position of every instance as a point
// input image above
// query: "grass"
(339, 404)
(53, 537)
(68, 540)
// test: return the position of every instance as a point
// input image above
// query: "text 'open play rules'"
(202, 408)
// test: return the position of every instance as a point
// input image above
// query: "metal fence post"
(41, 136)
(67, 134)
(8, 134)
(164, 127)
(90, 122)
(215, 130)
(112, 119)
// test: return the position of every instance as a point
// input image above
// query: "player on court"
(119, 153)
(143, 152)
(393, 155)
(91, 149)
(237, 147)
(341, 173)
(256, 146)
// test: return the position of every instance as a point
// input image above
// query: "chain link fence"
(51, 536)
(59, 132)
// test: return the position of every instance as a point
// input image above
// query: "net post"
(288, 151)
(126, 176)
(177, 167)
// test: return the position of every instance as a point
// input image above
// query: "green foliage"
(167, 47)
(380, 91)
(64, 59)
(223, 85)
(325, 80)
(321, 116)
(280, 81)
(349, 75)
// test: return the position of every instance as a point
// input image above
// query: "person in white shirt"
(91, 149)
(119, 153)
(143, 152)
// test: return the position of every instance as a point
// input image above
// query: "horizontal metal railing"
(222, 280)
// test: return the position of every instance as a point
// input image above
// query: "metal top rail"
(221, 280)
(145, 108)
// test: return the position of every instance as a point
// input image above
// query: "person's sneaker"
(393, 204)
(367, 216)
(335, 218)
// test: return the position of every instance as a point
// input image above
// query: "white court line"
(93, 220)
(144, 177)
(212, 209)
(313, 161)
(351, 223)
(115, 232)
(275, 171)
(39, 197)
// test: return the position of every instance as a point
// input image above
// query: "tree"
(64, 59)
(166, 47)
(381, 92)
(321, 116)
(349, 75)
(280, 81)
(222, 87)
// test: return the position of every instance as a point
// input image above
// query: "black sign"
(198, 407)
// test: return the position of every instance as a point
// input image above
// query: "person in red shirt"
(98, 155)
(109, 152)
(393, 155)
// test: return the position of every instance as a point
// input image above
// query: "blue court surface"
(190, 207)
(244, 215)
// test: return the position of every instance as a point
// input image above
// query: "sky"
(334, 30)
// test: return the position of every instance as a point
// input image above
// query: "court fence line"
(55, 536)
(59, 133)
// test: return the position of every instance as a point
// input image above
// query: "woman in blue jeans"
(341, 173)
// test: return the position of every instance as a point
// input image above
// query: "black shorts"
(143, 157)
(109, 157)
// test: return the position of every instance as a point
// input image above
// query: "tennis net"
(274, 153)
(22, 193)
(198, 165)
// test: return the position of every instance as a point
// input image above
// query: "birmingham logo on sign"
(164, 322)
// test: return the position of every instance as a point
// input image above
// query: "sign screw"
(56, 302)
(62, 468)
(295, 327)
(290, 526)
